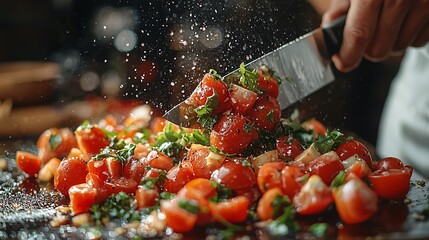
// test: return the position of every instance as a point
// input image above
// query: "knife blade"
(305, 62)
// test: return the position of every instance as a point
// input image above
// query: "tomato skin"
(229, 134)
(178, 176)
(291, 180)
(101, 191)
(91, 139)
(28, 163)
(392, 184)
(198, 156)
(159, 160)
(268, 83)
(146, 197)
(252, 194)
(390, 163)
(314, 197)
(72, 171)
(141, 151)
(265, 208)
(355, 201)
(206, 88)
(201, 186)
(134, 169)
(66, 141)
(241, 99)
(289, 147)
(234, 175)
(82, 197)
(177, 218)
(120, 184)
(99, 168)
(350, 148)
(265, 113)
(269, 175)
(233, 210)
(193, 192)
(327, 166)
(317, 127)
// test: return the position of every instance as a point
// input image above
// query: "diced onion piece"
(270, 156)
(308, 155)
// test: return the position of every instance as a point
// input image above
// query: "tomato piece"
(178, 176)
(146, 197)
(252, 194)
(357, 166)
(176, 217)
(99, 168)
(94, 181)
(55, 142)
(314, 197)
(120, 184)
(91, 139)
(317, 127)
(268, 83)
(141, 151)
(204, 161)
(28, 163)
(350, 148)
(72, 171)
(293, 178)
(232, 134)
(269, 175)
(326, 166)
(209, 87)
(114, 166)
(390, 163)
(197, 194)
(355, 201)
(265, 113)
(233, 210)
(134, 169)
(391, 183)
(265, 208)
(234, 175)
(82, 197)
(159, 160)
(241, 99)
(202, 186)
(289, 147)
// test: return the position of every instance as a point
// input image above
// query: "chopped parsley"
(152, 182)
(117, 206)
(249, 79)
(284, 225)
(222, 192)
(142, 136)
(248, 127)
(123, 155)
(278, 204)
(332, 139)
(339, 179)
(215, 75)
(205, 118)
(54, 141)
(218, 151)
(270, 116)
(318, 229)
(189, 205)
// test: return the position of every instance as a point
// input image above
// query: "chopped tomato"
(193, 192)
(28, 163)
(289, 147)
(350, 148)
(157, 124)
(391, 183)
(202, 186)
(265, 113)
(114, 166)
(120, 184)
(211, 87)
(355, 201)
(235, 175)
(326, 166)
(204, 161)
(241, 99)
(232, 134)
(356, 165)
(293, 178)
(98, 184)
(146, 197)
(269, 175)
(134, 169)
(178, 176)
(252, 194)
(266, 204)
(55, 142)
(179, 219)
(82, 196)
(314, 197)
(99, 168)
(141, 151)
(390, 163)
(317, 127)
(91, 139)
(159, 160)
(233, 210)
(268, 83)
(72, 171)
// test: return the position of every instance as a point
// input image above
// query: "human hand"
(377, 29)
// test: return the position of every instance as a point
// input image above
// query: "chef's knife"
(304, 61)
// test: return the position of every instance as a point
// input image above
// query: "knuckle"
(358, 35)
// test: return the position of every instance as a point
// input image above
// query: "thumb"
(336, 9)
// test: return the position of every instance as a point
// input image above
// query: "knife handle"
(333, 34)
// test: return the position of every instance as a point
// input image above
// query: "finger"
(360, 25)
(423, 37)
(389, 24)
(414, 23)
(336, 9)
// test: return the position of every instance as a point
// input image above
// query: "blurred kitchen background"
(157, 50)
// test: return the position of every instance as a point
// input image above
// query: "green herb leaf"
(215, 75)
(190, 206)
(117, 206)
(279, 203)
(123, 154)
(270, 116)
(222, 192)
(339, 179)
(142, 136)
(246, 163)
(285, 224)
(249, 79)
(332, 139)
(207, 121)
(54, 141)
(248, 127)
(218, 151)
(318, 229)
(85, 124)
